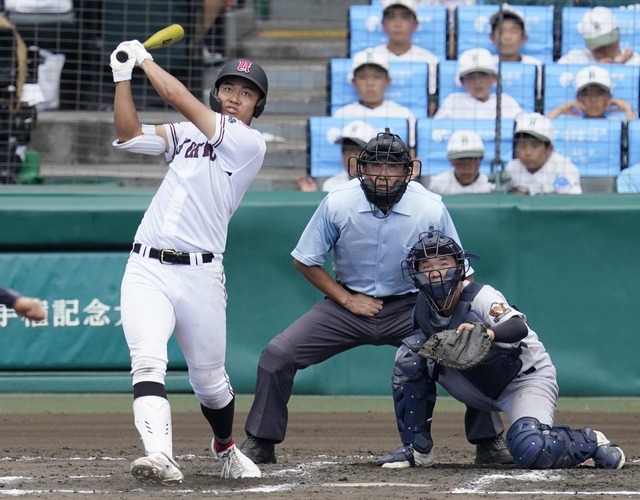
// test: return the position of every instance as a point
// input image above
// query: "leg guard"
(537, 446)
(414, 397)
(152, 416)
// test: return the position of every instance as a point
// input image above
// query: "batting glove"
(122, 69)
(140, 52)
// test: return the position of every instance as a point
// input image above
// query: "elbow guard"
(149, 143)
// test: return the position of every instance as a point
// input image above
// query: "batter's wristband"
(8, 297)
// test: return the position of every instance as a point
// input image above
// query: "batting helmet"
(431, 245)
(249, 70)
(384, 189)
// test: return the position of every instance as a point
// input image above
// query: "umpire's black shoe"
(260, 451)
(493, 451)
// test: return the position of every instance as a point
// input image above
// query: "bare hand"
(363, 305)
(30, 308)
(307, 184)
(623, 56)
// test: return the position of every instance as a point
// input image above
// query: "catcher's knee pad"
(537, 446)
(414, 395)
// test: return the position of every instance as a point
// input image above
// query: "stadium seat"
(559, 84)
(474, 29)
(627, 24)
(408, 85)
(594, 145)
(633, 134)
(365, 29)
(325, 157)
(432, 137)
(518, 80)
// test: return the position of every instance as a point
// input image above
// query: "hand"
(140, 52)
(363, 305)
(306, 184)
(623, 56)
(29, 308)
(122, 70)
(622, 106)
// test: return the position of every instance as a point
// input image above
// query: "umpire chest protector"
(500, 366)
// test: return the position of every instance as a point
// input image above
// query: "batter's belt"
(169, 256)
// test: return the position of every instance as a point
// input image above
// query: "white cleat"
(236, 464)
(156, 468)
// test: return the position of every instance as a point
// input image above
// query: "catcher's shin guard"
(152, 416)
(414, 397)
(537, 446)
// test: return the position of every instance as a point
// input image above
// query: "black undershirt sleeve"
(511, 331)
(8, 297)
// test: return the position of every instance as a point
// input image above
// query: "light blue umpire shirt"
(368, 250)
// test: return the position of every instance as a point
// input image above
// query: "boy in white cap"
(537, 168)
(353, 138)
(477, 73)
(465, 151)
(594, 98)
(370, 78)
(601, 35)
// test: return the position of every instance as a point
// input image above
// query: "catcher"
(483, 352)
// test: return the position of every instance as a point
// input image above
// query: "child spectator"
(593, 97)
(477, 73)
(370, 77)
(353, 138)
(537, 169)
(399, 22)
(599, 29)
(465, 151)
(509, 34)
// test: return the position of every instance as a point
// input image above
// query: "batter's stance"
(174, 280)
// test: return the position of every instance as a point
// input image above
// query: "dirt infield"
(325, 455)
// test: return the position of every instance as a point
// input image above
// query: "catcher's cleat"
(608, 455)
(493, 451)
(260, 451)
(235, 464)
(406, 456)
(156, 468)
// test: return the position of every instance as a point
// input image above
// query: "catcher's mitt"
(460, 351)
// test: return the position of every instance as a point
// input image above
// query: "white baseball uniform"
(557, 175)
(462, 105)
(447, 183)
(584, 56)
(190, 212)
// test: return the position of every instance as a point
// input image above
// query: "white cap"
(476, 61)
(465, 144)
(508, 12)
(368, 56)
(593, 75)
(357, 133)
(598, 27)
(409, 4)
(535, 124)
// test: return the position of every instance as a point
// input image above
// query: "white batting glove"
(122, 69)
(141, 53)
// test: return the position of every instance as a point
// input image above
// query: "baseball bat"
(163, 38)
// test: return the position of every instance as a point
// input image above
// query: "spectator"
(370, 77)
(465, 152)
(211, 11)
(353, 138)
(399, 22)
(477, 73)
(599, 29)
(537, 169)
(629, 180)
(593, 97)
(509, 34)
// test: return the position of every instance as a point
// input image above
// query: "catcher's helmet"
(440, 291)
(248, 70)
(384, 188)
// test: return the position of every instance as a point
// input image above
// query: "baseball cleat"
(406, 456)
(259, 451)
(156, 468)
(608, 455)
(493, 451)
(236, 465)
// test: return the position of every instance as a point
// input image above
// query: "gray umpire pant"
(326, 330)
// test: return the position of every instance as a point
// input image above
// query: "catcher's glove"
(460, 351)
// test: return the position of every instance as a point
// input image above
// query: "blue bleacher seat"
(325, 157)
(629, 180)
(432, 137)
(594, 145)
(518, 80)
(365, 29)
(558, 84)
(474, 29)
(408, 85)
(627, 19)
(633, 134)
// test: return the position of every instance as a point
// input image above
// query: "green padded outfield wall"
(569, 262)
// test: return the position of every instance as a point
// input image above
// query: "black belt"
(388, 298)
(168, 256)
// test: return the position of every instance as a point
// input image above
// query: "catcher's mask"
(248, 70)
(384, 169)
(438, 285)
